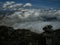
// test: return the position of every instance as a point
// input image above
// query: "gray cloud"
(34, 19)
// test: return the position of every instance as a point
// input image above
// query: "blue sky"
(39, 3)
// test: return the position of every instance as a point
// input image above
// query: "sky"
(39, 3)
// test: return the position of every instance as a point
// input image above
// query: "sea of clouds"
(24, 16)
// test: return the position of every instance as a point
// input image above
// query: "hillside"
(10, 36)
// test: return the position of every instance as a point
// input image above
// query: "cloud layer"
(24, 16)
(14, 6)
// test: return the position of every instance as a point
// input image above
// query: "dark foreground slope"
(10, 36)
(57, 36)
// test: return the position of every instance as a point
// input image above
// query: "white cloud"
(27, 5)
(11, 5)
(5, 5)
(36, 14)
(14, 6)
